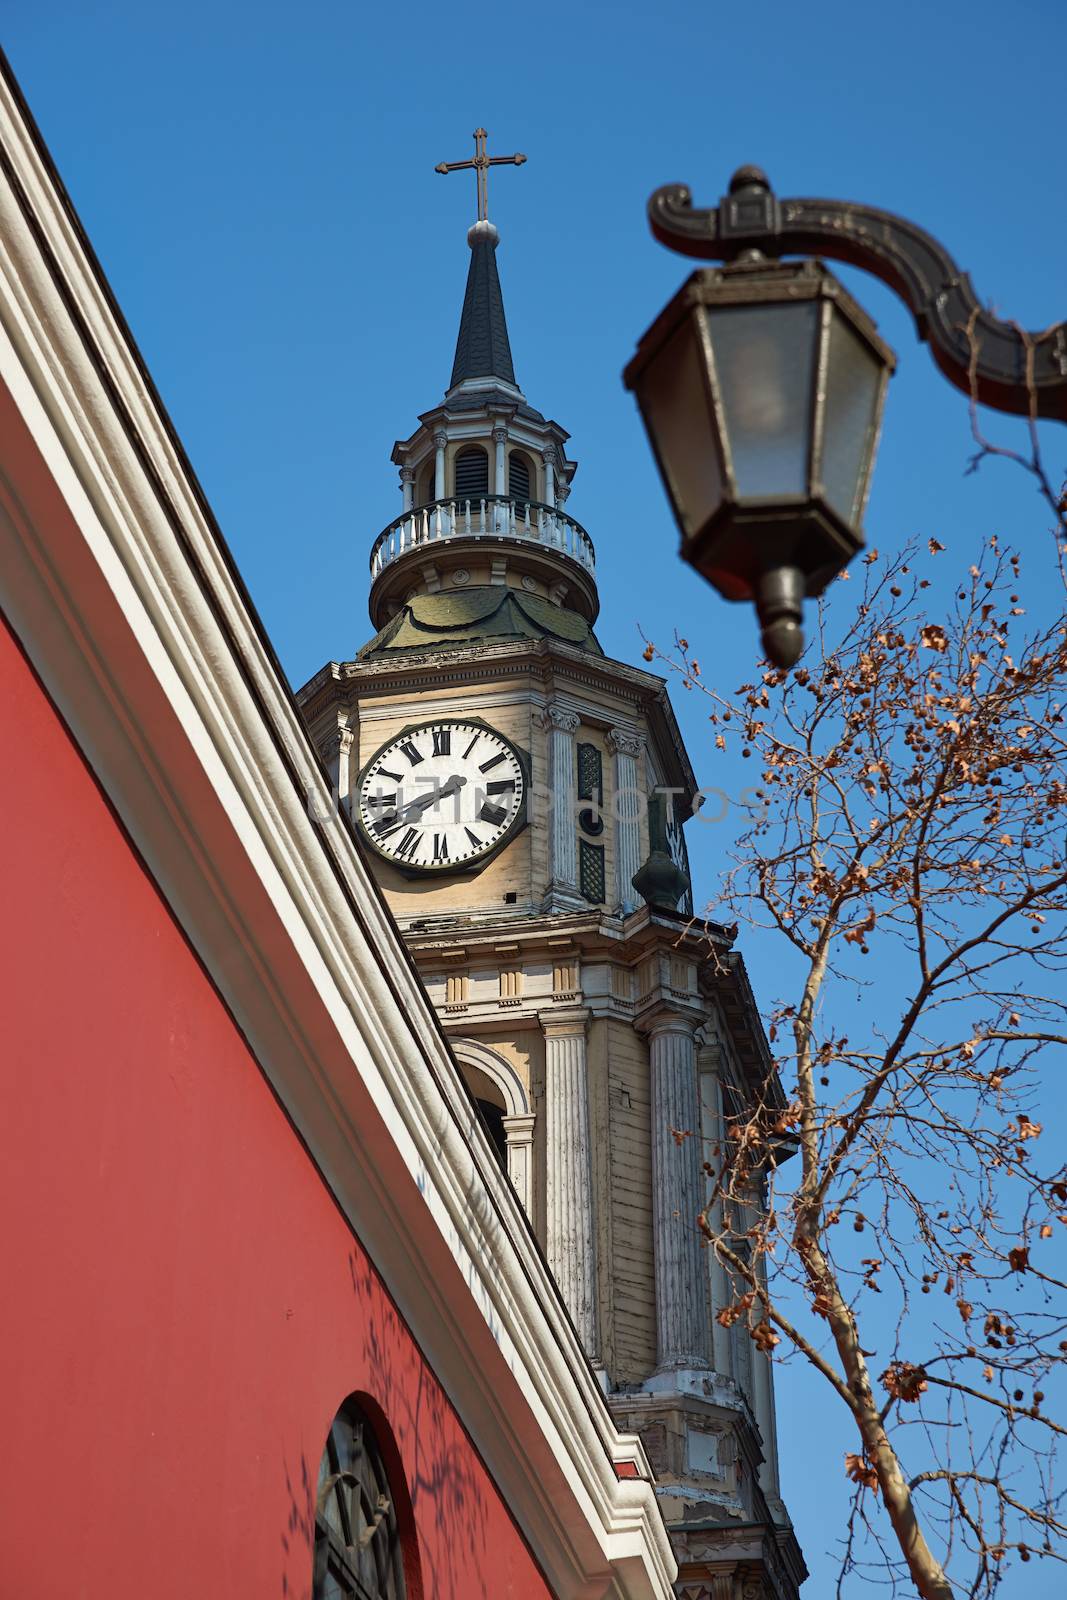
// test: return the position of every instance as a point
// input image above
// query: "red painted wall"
(184, 1307)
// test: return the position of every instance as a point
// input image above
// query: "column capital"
(549, 455)
(338, 743)
(564, 1024)
(625, 743)
(500, 433)
(440, 438)
(662, 1018)
(407, 474)
(555, 716)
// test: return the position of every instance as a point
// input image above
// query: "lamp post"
(761, 383)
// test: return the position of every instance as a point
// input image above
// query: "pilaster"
(677, 1194)
(518, 1134)
(626, 812)
(763, 1394)
(568, 1172)
(713, 1133)
(337, 754)
(563, 894)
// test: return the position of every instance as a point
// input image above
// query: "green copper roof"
(464, 616)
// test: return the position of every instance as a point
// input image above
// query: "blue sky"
(258, 183)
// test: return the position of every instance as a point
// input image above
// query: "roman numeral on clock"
(491, 813)
(408, 844)
(442, 741)
(409, 750)
(470, 747)
(494, 761)
(440, 847)
(501, 786)
(473, 837)
(394, 777)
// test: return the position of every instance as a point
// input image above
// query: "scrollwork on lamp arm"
(995, 361)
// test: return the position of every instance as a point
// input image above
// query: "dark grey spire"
(483, 349)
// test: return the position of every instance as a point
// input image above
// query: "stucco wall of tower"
(187, 1306)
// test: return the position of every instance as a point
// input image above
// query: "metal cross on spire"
(481, 165)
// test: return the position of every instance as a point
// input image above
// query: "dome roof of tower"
(483, 613)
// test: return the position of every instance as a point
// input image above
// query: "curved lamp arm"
(997, 361)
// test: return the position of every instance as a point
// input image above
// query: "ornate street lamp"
(761, 384)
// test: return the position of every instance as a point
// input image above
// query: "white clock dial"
(441, 796)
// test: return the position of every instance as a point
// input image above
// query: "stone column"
(568, 1173)
(563, 786)
(518, 1132)
(440, 439)
(407, 486)
(713, 1134)
(549, 459)
(626, 814)
(677, 1196)
(500, 458)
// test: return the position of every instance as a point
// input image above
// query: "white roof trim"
(138, 629)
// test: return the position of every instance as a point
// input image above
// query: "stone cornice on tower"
(541, 664)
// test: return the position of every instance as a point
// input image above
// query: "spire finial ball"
(483, 230)
(749, 178)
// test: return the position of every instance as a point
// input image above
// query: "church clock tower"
(521, 797)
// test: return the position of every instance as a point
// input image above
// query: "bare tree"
(909, 842)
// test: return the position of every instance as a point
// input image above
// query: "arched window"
(429, 483)
(518, 477)
(492, 1116)
(357, 1546)
(472, 474)
(503, 1107)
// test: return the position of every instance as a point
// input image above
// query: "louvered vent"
(519, 478)
(472, 474)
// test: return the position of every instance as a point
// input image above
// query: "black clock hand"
(452, 786)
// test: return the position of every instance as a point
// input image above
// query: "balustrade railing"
(488, 516)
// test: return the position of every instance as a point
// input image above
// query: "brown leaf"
(764, 1336)
(904, 1380)
(859, 1469)
(1019, 1258)
(934, 637)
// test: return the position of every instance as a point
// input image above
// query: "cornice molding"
(116, 581)
(541, 661)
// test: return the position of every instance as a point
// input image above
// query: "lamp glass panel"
(674, 402)
(853, 386)
(765, 360)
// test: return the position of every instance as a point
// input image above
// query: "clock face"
(441, 797)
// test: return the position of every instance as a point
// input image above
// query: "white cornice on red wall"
(114, 577)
